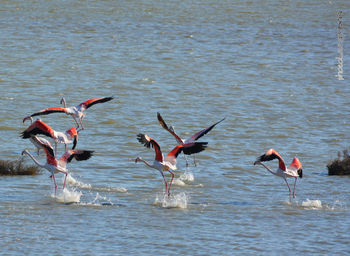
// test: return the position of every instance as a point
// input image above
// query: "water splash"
(73, 182)
(187, 176)
(69, 196)
(179, 200)
(312, 204)
(179, 182)
(99, 201)
(186, 179)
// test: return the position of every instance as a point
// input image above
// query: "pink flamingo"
(293, 171)
(77, 112)
(169, 162)
(54, 165)
(39, 127)
(188, 141)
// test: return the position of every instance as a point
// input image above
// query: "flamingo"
(169, 162)
(293, 171)
(188, 141)
(39, 127)
(76, 112)
(54, 165)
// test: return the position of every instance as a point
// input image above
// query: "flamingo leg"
(186, 161)
(65, 178)
(81, 123)
(166, 184)
(76, 122)
(290, 192)
(194, 160)
(294, 187)
(54, 180)
(171, 181)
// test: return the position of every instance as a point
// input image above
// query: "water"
(269, 67)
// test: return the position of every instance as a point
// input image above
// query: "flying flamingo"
(54, 165)
(169, 162)
(188, 141)
(39, 127)
(76, 112)
(293, 171)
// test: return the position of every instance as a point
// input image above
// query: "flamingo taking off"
(188, 141)
(76, 112)
(39, 127)
(169, 162)
(54, 165)
(293, 171)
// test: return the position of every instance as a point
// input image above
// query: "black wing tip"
(89, 153)
(141, 138)
(105, 99)
(25, 135)
(161, 121)
(50, 149)
(265, 157)
(109, 98)
(85, 155)
(196, 148)
(300, 173)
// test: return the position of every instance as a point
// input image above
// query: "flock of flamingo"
(163, 164)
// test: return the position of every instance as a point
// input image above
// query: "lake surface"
(269, 67)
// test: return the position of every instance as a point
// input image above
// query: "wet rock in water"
(341, 165)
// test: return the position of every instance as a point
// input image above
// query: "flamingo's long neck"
(147, 163)
(268, 168)
(63, 100)
(33, 158)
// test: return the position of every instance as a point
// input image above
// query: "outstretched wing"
(201, 133)
(164, 125)
(38, 127)
(296, 167)
(147, 142)
(272, 154)
(193, 148)
(78, 155)
(45, 145)
(91, 102)
(47, 111)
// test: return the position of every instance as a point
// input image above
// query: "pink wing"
(38, 127)
(171, 157)
(77, 154)
(147, 142)
(272, 154)
(47, 111)
(296, 166)
(91, 102)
